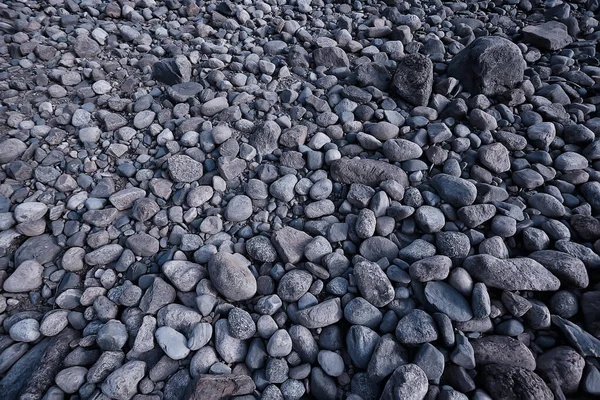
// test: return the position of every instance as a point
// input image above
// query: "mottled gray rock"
(27, 277)
(481, 66)
(416, 327)
(183, 168)
(562, 365)
(122, 383)
(231, 276)
(290, 244)
(323, 314)
(222, 386)
(566, 267)
(413, 80)
(504, 350)
(456, 191)
(373, 283)
(367, 172)
(293, 285)
(184, 275)
(551, 35)
(408, 382)
(514, 382)
(511, 274)
(261, 249)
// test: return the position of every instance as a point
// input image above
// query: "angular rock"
(448, 300)
(551, 35)
(504, 350)
(373, 283)
(290, 244)
(408, 382)
(481, 66)
(321, 315)
(413, 80)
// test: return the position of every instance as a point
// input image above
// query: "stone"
(122, 384)
(183, 168)
(330, 57)
(184, 275)
(143, 244)
(496, 349)
(27, 277)
(416, 327)
(494, 157)
(373, 283)
(231, 276)
(261, 249)
(551, 35)
(514, 382)
(566, 267)
(293, 285)
(511, 274)
(229, 348)
(290, 244)
(408, 382)
(172, 71)
(265, 138)
(413, 79)
(481, 66)
(86, 47)
(367, 172)
(172, 343)
(456, 191)
(562, 365)
(222, 386)
(321, 315)
(360, 344)
(444, 298)
(238, 209)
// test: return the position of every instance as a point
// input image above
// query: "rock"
(265, 138)
(398, 150)
(367, 172)
(321, 315)
(434, 268)
(548, 205)
(373, 283)
(172, 342)
(330, 57)
(416, 327)
(172, 71)
(332, 363)
(511, 274)
(238, 209)
(185, 275)
(448, 300)
(524, 384)
(122, 383)
(26, 278)
(293, 285)
(562, 365)
(551, 35)
(457, 192)
(408, 382)
(360, 343)
(567, 268)
(143, 244)
(582, 341)
(200, 336)
(159, 294)
(229, 348)
(290, 244)
(222, 386)
(481, 66)
(377, 247)
(231, 277)
(42, 249)
(11, 149)
(183, 168)
(241, 324)
(387, 356)
(495, 157)
(69, 380)
(86, 47)
(413, 80)
(503, 350)
(261, 249)
(279, 344)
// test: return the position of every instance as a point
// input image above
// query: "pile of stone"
(299, 200)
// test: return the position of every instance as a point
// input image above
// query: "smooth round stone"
(69, 380)
(231, 276)
(280, 344)
(238, 209)
(172, 342)
(332, 363)
(27, 330)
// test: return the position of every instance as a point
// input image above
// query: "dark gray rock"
(416, 327)
(367, 172)
(481, 66)
(511, 274)
(514, 382)
(408, 382)
(413, 79)
(504, 350)
(551, 35)
(444, 298)
(566, 267)
(373, 283)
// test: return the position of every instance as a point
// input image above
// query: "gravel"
(287, 200)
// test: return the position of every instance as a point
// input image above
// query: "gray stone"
(367, 172)
(481, 66)
(323, 314)
(231, 276)
(293, 285)
(360, 344)
(230, 349)
(290, 244)
(172, 342)
(511, 274)
(551, 35)
(183, 168)
(416, 327)
(408, 382)
(448, 300)
(373, 283)
(456, 191)
(11, 149)
(566, 267)
(184, 275)
(504, 350)
(122, 383)
(238, 209)
(413, 79)
(27, 277)
(524, 384)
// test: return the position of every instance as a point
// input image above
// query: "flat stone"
(222, 386)
(551, 35)
(26, 278)
(367, 172)
(408, 382)
(321, 315)
(448, 300)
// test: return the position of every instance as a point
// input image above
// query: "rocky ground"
(299, 199)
